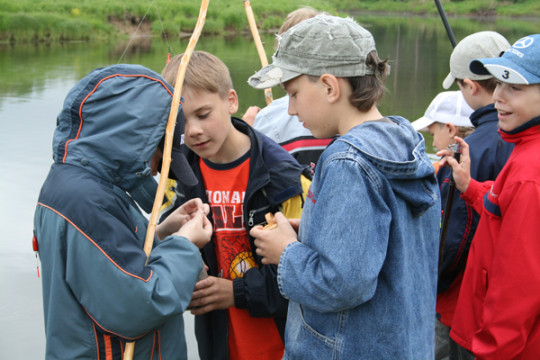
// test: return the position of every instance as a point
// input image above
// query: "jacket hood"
(111, 124)
(398, 151)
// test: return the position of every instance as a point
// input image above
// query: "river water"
(34, 80)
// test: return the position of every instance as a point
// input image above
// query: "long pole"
(448, 207)
(457, 153)
(258, 44)
(167, 147)
(445, 22)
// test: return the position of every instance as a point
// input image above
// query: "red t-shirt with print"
(225, 184)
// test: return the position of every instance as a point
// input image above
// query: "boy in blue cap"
(361, 272)
(497, 311)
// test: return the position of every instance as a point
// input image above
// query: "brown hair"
(368, 90)
(461, 131)
(488, 84)
(205, 72)
(464, 131)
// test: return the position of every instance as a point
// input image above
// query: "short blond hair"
(295, 17)
(205, 72)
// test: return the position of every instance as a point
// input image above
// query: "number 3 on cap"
(505, 75)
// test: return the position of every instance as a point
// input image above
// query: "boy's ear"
(331, 86)
(232, 98)
(473, 85)
(452, 129)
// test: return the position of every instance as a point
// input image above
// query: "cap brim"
(422, 123)
(504, 70)
(448, 81)
(180, 169)
(477, 67)
(270, 76)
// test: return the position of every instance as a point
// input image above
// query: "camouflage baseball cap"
(321, 45)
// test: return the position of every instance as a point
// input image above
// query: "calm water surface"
(35, 79)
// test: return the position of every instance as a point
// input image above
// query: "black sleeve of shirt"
(258, 292)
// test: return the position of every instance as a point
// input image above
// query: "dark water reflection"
(35, 79)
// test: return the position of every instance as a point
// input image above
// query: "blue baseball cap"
(518, 65)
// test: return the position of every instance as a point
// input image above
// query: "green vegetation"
(65, 20)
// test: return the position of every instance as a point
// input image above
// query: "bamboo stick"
(259, 45)
(167, 148)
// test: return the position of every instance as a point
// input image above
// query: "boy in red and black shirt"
(240, 313)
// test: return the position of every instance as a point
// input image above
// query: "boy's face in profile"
(208, 122)
(516, 104)
(442, 135)
(306, 100)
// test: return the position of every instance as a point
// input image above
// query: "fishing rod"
(258, 44)
(457, 153)
(167, 147)
(446, 23)
(447, 209)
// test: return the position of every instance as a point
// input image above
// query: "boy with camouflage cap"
(360, 270)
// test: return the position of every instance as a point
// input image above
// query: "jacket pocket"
(481, 289)
(306, 343)
(480, 294)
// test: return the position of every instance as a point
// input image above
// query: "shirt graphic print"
(225, 184)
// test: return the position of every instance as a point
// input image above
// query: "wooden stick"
(259, 45)
(169, 131)
(167, 147)
(270, 222)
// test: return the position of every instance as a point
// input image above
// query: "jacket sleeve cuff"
(475, 193)
(282, 268)
(239, 291)
(472, 191)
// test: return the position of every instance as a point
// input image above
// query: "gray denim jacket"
(362, 280)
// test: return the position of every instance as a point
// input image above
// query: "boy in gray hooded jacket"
(99, 289)
(360, 272)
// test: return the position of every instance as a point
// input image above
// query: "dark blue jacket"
(274, 177)
(488, 154)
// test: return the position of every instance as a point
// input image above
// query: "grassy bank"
(66, 20)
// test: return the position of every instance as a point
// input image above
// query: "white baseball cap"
(446, 107)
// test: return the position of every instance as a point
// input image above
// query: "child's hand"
(198, 229)
(212, 293)
(271, 243)
(250, 114)
(295, 223)
(460, 171)
(180, 216)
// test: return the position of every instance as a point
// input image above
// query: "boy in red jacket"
(497, 311)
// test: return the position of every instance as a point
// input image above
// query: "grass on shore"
(52, 20)
(66, 20)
